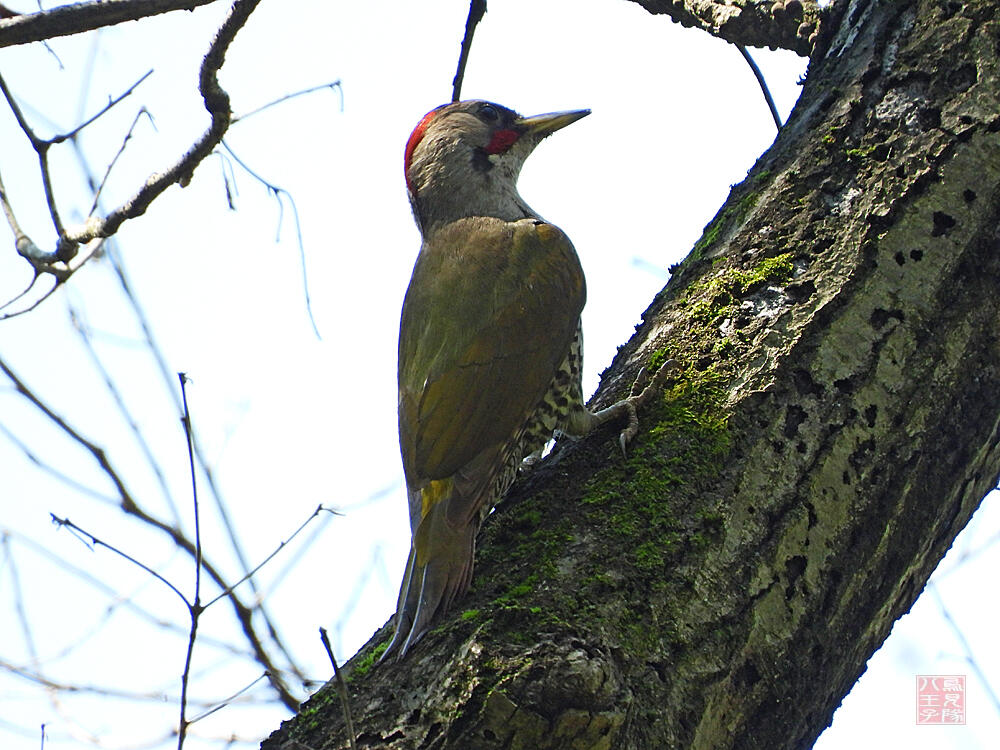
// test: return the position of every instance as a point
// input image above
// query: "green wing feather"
(488, 318)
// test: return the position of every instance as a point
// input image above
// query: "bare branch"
(216, 102)
(94, 541)
(785, 24)
(311, 90)
(194, 607)
(226, 701)
(111, 102)
(82, 689)
(114, 160)
(266, 560)
(244, 614)
(278, 192)
(79, 17)
(477, 9)
(42, 150)
(341, 687)
(52, 470)
(763, 85)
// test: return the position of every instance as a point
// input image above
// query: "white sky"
(290, 421)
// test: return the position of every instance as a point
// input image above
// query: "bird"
(490, 343)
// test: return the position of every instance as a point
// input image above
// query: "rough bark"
(776, 24)
(833, 427)
(76, 18)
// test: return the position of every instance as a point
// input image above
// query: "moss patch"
(709, 300)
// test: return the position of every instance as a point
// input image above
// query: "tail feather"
(438, 571)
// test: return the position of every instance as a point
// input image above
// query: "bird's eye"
(489, 113)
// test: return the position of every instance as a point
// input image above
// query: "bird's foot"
(632, 404)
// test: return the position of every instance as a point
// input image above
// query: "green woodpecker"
(490, 345)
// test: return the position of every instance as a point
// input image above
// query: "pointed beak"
(540, 126)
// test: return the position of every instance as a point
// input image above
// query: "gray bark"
(833, 426)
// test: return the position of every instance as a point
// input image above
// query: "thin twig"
(477, 9)
(18, 596)
(111, 102)
(341, 688)
(244, 613)
(114, 160)
(125, 412)
(970, 657)
(331, 85)
(41, 148)
(78, 688)
(53, 471)
(25, 247)
(96, 542)
(268, 559)
(763, 85)
(34, 277)
(226, 701)
(117, 599)
(216, 102)
(128, 504)
(195, 607)
(278, 192)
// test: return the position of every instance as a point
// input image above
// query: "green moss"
(368, 660)
(711, 233)
(531, 517)
(859, 153)
(657, 358)
(716, 296)
(748, 201)
(470, 614)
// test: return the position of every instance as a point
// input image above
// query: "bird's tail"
(439, 568)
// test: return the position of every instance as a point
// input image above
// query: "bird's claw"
(633, 402)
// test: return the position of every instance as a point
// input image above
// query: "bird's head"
(463, 159)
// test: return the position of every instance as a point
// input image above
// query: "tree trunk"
(832, 426)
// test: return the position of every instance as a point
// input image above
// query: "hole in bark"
(870, 414)
(747, 675)
(969, 195)
(861, 454)
(962, 78)
(830, 598)
(943, 223)
(950, 9)
(794, 417)
(659, 668)
(844, 385)
(917, 254)
(800, 447)
(879, 317)
(898, 257)
(794, 569)
(801, 292)
(845, 477)
(805, 385)
(901, 171)
(929, 118)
